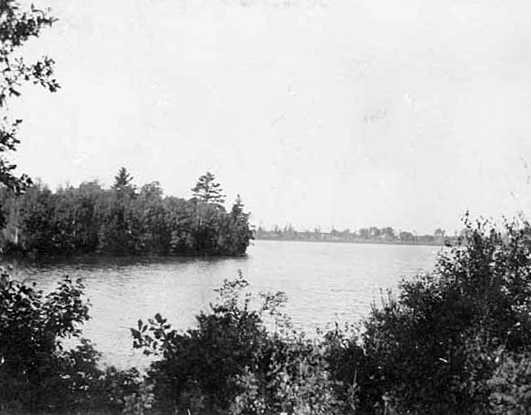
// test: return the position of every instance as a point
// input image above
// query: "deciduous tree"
(17, 26)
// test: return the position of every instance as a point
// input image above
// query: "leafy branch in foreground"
(17, 27)
(38, 372)
(33, 327)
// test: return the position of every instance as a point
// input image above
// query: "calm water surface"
(324, 282)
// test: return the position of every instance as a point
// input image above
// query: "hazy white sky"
(344, 113)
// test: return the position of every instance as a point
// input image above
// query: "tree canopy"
(120, 220)
(207, 190)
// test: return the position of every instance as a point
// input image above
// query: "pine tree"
(207, 190)
(237, 207)
(123, 179)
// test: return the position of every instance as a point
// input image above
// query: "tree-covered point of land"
(122, 220)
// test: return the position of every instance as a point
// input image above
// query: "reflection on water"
(324, 282)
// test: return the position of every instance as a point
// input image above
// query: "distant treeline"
(123, 220)
(363, 235)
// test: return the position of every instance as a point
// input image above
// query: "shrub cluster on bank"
(123, 220)
(38, 374)
(454, 341)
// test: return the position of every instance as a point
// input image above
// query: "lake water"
(324, 282)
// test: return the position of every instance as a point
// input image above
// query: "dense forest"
(123, 220)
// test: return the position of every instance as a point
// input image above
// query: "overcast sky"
(344, 113)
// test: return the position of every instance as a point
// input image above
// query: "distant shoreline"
(446, 242)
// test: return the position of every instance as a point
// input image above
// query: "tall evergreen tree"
(237, 207)
(123, 179)
(207, 190)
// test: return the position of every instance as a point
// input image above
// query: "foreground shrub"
(32, 330)
(230, 363)
(511, 384)
(349, 369)
(37, 372)
(434, 348)
(197, 370)
(294, 379)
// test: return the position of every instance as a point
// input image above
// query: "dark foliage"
(32, 328)
(120, 221)
(37, 372)
(231, 364)
(435, 348)
(197, 369)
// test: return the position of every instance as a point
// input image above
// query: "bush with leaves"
(348, 368)
(432, 349)
(511, 384)
(197, 369)
(231, 363)
(33, 327)
(37, 371)
(294, 379)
